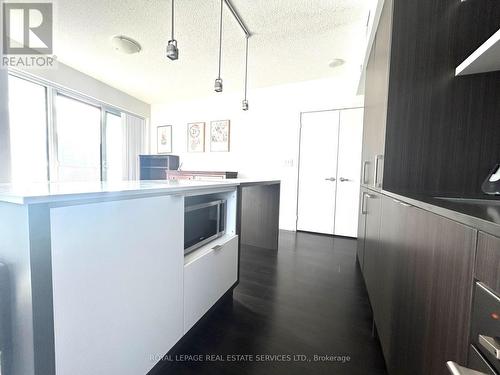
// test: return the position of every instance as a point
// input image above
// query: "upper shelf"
(485, 59)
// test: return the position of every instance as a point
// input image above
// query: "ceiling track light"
(218, 82)
(172, 50)
(245, 101)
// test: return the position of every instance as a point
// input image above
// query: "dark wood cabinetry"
(371, 240)
(360, 249)
(442, 135)
(418, 270)
(488, 261)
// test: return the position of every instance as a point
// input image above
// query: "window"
(62, 136)
(28, 130)
(114, 147)
(78, 129)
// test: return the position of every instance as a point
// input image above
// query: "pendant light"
(218, 81)
(245, 101)
(172, 50)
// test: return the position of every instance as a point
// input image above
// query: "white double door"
(329, 171)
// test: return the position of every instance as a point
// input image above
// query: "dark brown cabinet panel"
(488, 261)
(392, 292)
(419, 274)
(440, 261)
(373, 203)
(442, 135)
(361, 229)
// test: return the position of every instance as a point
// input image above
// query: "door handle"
(217, 248)
(330, 179)
(459, 370)
(375, 177)
(365, 164)
(342, 179)
(491, 345)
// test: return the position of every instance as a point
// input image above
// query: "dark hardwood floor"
(306, 299)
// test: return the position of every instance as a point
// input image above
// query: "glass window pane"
(28, 130)
(114, 147)
(78, 127)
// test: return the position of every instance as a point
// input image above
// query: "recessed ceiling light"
(336, 63)
(125, 45)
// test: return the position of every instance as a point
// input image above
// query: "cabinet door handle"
(342, 179)
(363, 204)
(364, 209)
(491, 345)
(365, 164)
(375, 177)
(459, 370)
(330, 179)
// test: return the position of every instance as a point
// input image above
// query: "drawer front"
(478, 363)
(488, 261)
(485, 328)
(207, 278)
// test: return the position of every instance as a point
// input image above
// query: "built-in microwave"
(203, 223)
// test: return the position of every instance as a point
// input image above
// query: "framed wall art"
(220, 136)
(164, 139)
(196, 137)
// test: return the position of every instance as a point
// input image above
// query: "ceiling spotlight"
(245, 101)
(218, 85)
(125, 44)
(218, 81)
(335, 63)
(172, 50)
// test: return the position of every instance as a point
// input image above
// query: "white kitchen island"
(99, 280)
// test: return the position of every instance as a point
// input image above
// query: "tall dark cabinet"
(442, 131)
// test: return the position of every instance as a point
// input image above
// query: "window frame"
(51, 92)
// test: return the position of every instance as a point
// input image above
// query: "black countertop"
(482, 214)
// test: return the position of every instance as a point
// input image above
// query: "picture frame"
(164, 139)
(220, 136)
(196, 137)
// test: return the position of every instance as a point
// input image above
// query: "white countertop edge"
(11, 194)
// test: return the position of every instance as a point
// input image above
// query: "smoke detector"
(125, 45)
(335, 63)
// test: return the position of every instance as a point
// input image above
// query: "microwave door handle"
(218, 218)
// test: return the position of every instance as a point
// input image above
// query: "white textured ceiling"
(294, 40)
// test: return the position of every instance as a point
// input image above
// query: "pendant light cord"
(246, 67)
(172, 19)
(220, 36)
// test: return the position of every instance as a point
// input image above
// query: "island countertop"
(34, 193)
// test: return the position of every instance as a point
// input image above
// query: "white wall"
(265, 139)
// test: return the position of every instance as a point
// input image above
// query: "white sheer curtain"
(134, 144)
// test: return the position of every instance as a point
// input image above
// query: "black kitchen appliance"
(154, 167)
(204, 221)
